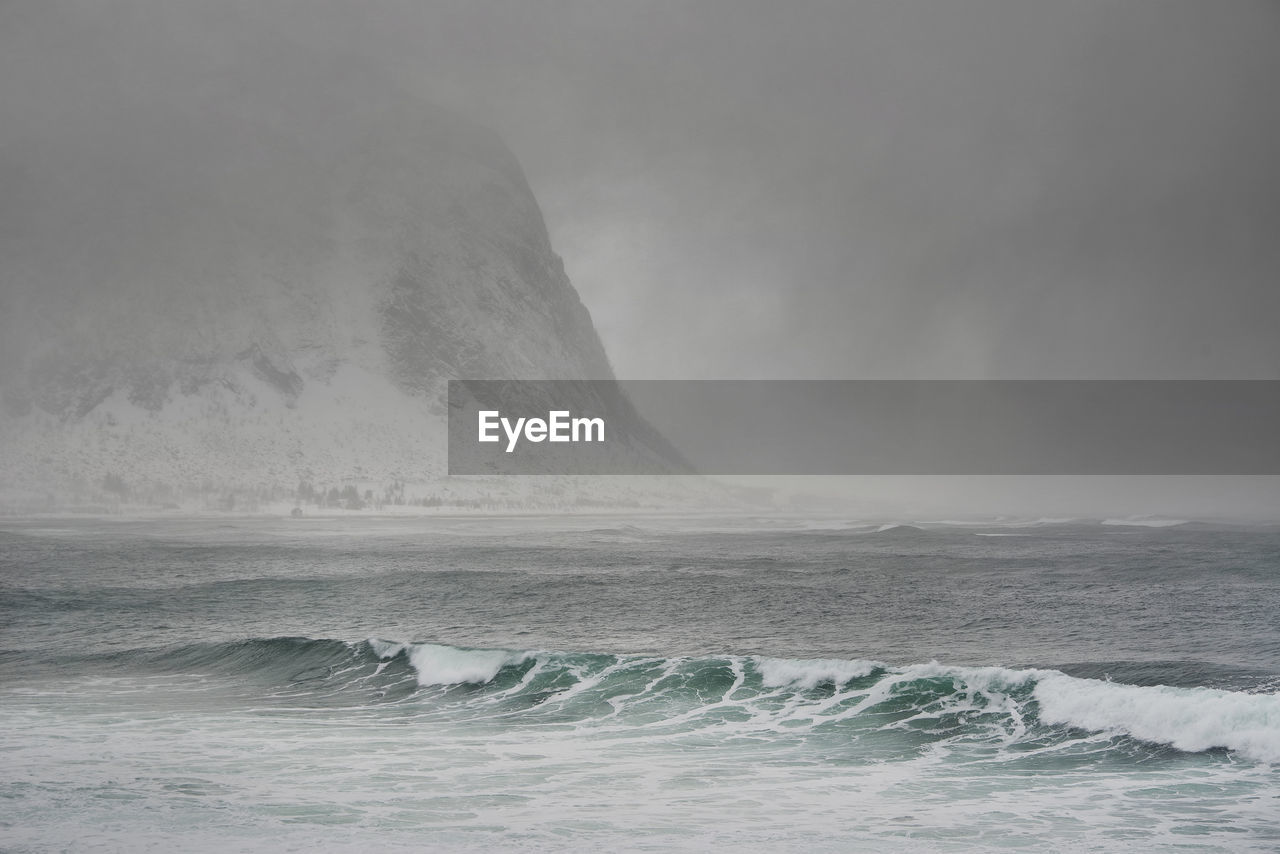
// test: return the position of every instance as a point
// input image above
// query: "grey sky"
(991, 188)
(1084, 189)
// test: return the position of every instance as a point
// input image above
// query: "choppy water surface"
(573, 684)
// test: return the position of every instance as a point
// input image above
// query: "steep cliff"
(241, 273)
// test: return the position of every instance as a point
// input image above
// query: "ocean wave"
(1190, 719)
(1145, 522)
(924, 703)
(809, 674)
(439, 664)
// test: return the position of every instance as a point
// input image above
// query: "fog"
(990, 188)
(918, 189)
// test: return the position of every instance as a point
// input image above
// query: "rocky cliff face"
(243, 275)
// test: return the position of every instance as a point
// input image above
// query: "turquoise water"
(553, 684)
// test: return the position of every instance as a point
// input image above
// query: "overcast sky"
(911, 189)
(923, 188)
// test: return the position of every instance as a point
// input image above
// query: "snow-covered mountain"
(235, 277)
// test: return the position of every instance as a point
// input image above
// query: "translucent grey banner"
(866, 427)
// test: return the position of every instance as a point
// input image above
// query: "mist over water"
(918, 190)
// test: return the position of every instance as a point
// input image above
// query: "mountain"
(236, 279)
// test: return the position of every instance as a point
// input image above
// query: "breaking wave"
(749, 695)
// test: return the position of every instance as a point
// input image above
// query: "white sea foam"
(1191, 719)
(782, 672)
(999, 522)
(1145, 522)
(385, 649)
(437, 664)
(981, 678)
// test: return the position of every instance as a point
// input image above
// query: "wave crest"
(438, 664)
(853, 699)
(1190, 719)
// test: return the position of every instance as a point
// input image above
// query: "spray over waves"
(439, 664)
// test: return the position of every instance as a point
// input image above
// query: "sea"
(638, 683)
